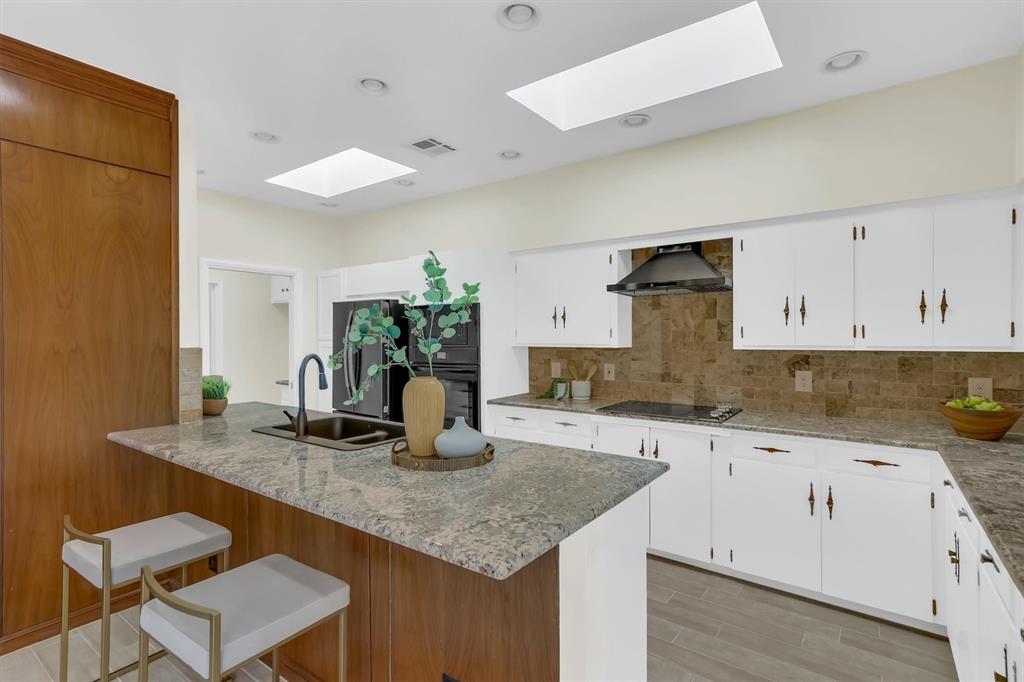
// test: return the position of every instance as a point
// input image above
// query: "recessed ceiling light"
(328, 204)
(373, 86)
(341, 172)
(405, 182)
(509, 155)
(845, 60)
(718, 50)
(263, 136)
(634, 120)
(519, 16)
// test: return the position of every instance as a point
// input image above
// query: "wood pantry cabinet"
(934, 275)
(88, 235)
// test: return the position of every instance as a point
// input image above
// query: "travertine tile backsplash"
(682, 352)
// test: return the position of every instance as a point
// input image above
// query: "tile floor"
(703, 626)
(40, 662)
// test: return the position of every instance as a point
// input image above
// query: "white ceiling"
(291, 68)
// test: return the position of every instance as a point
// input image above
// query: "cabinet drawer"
(769, 448)
(516, 417)
(567, 424)
(879, 461)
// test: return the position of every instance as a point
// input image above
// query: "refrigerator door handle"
(349, 376)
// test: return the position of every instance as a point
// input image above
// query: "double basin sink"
(341, 432)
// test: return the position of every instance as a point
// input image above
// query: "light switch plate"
(556, 369)
(609, 371)
(803, 381)
(982, 387)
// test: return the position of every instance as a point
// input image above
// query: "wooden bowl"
(981, 425)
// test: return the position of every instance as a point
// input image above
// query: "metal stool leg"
(64, 620)
(143, 639)
(342, 619)
(275, 666)
(105, 623)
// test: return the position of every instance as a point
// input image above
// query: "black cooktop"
(694, 413)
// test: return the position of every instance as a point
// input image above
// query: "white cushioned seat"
(161, 543)
(262, 604)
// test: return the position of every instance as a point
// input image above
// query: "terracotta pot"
(214, 408)
(981, 425)
(423, 406)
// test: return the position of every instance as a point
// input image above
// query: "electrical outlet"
(982, 387)
(803, 381)
(556, 369)
(609, 371)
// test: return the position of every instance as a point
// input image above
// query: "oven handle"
(447, 370)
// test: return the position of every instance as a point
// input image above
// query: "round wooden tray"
(400, 456)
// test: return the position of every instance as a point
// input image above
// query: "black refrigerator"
(384, 398)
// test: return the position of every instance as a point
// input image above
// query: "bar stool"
(114, 558)
(248, 611)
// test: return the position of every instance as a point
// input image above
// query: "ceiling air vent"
(432, 147)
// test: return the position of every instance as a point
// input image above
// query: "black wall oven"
(457, 367)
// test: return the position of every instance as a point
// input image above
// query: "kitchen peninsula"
(528, 568)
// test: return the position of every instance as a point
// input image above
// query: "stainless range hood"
(677, 269)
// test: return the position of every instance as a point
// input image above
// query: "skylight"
(718, 50)
(341, 172)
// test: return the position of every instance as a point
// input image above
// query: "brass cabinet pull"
(987, 558)
(565, 424)
(642, 451)
(962, 513)
(943, 307)
(785, 311)
(803, 310)
(923, 307)
(876, 462)
(770, 451)
(516, 419)
(948, 483)
(810, 498)
(829, 503)
(657, 450)
(953, 558)
(563, 317)
(554, 317)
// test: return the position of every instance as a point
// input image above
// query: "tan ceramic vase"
(213, 408)
(423, 406)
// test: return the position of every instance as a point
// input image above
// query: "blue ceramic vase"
(459, 441)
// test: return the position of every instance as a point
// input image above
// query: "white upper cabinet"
(763, 284)
(381, 280)
(330, 285)
(894, 279)
(972, 280)
(562, 300)
(824, 284)
(280, 289)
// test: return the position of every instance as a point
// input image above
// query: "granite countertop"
(990, 475)
(494, 519)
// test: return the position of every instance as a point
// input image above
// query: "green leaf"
(436, 307)
(463, 316)
(394, 331)
(435, 347)
(422, 345)
(369, 340)
(363, 328)
(372, 370)
(354, 336)
(440, 283)
(375, 309)
(399, 355)
(421, 323)
(432, 295)
(447, 333)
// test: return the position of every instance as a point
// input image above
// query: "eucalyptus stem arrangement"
(427, 329)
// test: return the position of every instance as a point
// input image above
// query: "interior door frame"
(295, 309)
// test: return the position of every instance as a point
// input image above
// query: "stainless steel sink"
(341, 432)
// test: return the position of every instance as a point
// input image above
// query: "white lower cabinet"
(961, 591)
(681, 498)
(631, 440)
(999, 641)
(892, 520)
(766, 524)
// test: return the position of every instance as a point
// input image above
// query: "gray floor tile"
(23, 666)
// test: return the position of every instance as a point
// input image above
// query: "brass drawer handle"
(554, 317)
(642, 451)
(516, 419)
(830, 503)
(785, 311)
(876, 462)
(987, 558)
(943, 307)
(803, 309)
(566, 424)
(923, 307)
(770, 451)
(563, 317)
(810, 498)
(953, 558)
(657, 448)
(962, 513)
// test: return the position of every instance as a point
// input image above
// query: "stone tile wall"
(682, 352)
(190, 385)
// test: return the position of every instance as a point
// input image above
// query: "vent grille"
(432, 147)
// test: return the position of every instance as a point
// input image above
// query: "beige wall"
(946, 134)
(255, 337)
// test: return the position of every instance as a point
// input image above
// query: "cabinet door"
(624, 439)
(585, 305)
(893, 277)
(768, 526)
(536, 313)
(280, 289)
(876, 543)
(681, 498)
(962, 596)
(973, 274)
(998, 639)
(329, 290)
(763, 281)
(823, 311)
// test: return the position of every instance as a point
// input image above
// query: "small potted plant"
(215, 395)
(429, 326)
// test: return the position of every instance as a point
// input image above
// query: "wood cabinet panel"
(43, 115)
(446, 619)
(87, 325)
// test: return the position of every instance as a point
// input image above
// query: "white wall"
(255, 336)
(942, 135)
